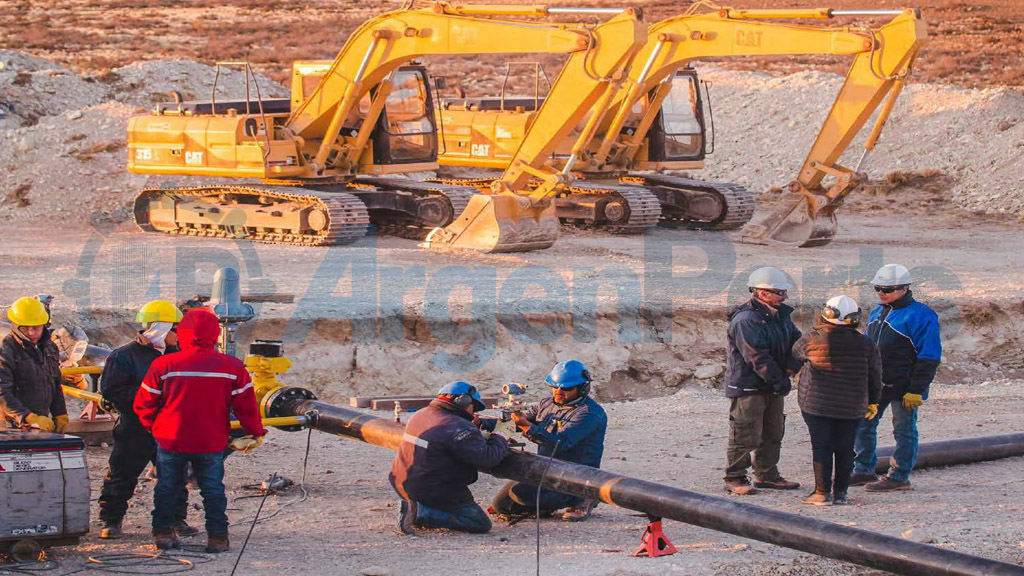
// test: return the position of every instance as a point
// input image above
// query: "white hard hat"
(769, 278)
(841, 310)
(892, 275)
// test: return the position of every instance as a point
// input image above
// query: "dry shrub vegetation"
(971, 44)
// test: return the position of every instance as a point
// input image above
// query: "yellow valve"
(264, 371)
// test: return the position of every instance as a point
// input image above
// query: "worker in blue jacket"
(569, 426)
(907, 335)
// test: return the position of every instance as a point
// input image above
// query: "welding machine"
(44, 490)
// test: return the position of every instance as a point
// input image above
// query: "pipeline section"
(656, 500)
(959, 451)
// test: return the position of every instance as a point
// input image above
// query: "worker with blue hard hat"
(441, 451)
(569, 426)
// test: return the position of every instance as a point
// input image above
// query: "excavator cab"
(678, 132)
(406, 132)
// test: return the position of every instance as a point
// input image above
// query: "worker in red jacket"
(186, 401)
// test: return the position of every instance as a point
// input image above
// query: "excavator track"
(457, 195)
(641, 206)
(735, 204)
(341, 217)
(633, 209)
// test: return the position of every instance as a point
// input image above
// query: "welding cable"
(252, 526)
(302, 487)
(539, 485)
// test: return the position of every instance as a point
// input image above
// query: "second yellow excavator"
(317, 159)
(657, 124)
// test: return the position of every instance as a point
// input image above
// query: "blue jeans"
(209, 472)
(904, 430)
(469, 518)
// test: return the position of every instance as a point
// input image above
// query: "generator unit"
(44, 489)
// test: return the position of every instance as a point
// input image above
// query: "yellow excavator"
(320, 158)
(657, 123)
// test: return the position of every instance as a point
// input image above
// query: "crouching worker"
(438, 459)
(185, 401)
(839, 385)
(568, 426)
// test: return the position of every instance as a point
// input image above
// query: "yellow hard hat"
(28, 312)
(158, 311)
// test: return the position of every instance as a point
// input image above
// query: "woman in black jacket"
(839, 385)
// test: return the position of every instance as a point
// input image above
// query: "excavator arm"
(381, 45)
(882, 60)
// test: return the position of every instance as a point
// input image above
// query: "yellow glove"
(60, 423)
(246, 444)
(41, 422)
(911, 401)
(871, 412)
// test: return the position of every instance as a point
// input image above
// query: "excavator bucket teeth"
(498, 223)
(793, 224)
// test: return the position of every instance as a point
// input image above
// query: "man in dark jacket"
(759, 364)
(134, 447)
(840, 384)
(186, 401)
(30, 380)
(907, 335)
(569, 426)
(438, 459)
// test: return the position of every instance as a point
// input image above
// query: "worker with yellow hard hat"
(30, 380)
(134, 447)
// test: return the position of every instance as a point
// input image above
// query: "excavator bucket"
(499, 223)
(795, 223)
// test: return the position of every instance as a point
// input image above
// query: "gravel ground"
(347, 524)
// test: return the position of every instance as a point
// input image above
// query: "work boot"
(111, 530)
(579, 513)
(216, 543)
(739, 486)
(165, 539)
(407, 516)
(888, 484)
(181, 528)
(862, 479)
(840, 499)
(779, 483)
(819, 499)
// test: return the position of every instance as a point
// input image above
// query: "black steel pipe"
(960, 451)
(725, 515)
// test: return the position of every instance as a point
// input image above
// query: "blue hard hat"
(460, 388)
(568, 374)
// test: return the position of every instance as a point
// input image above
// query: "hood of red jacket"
(198, 329)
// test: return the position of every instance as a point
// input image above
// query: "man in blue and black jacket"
(907, 335)
(569, 426)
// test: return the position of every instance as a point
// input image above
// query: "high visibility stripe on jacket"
(187, 398)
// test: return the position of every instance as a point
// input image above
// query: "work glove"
(246, 444)
(911, 401)
(871, 412)
(41, 422)
(60, 423)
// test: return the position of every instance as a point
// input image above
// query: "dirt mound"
(147, 83)
(31, 88)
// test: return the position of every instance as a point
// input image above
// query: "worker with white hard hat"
(759, 364)
(839, 386)
(907, 335)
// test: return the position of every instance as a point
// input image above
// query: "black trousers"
(832, 439)
(133, 450)
(520, 497)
